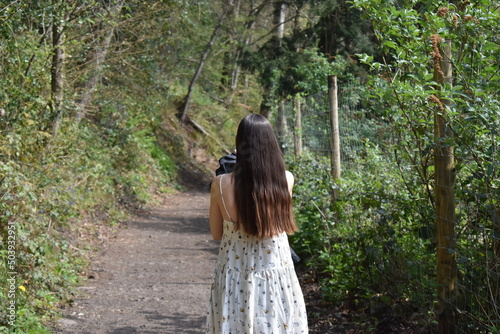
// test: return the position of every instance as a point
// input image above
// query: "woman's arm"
(290, 179)
(215, 216)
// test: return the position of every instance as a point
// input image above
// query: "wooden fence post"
(297, 134)
(495, 293)
(445, 195)
(334, 130)
(281, 126)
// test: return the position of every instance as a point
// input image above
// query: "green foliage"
(41, 264)
(53, 188)
(381, 229)
(312, 75)
(402, 89)
(367, 245)
(63, 170)
(83, 175)
(373, 247)
(341, 29)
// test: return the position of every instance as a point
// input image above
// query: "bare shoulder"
(215, 185)
(222, 181)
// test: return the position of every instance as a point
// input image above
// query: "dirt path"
(154, 277)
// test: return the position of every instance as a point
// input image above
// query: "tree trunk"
(279, 26)
(265, 108)
(445, 196)
(185, 105)
(96, 65)
(56, 80)
(230, 56)
(249, 27)
(279, 18)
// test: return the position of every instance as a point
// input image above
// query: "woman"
(255, 287)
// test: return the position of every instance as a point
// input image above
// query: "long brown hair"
(262, 198)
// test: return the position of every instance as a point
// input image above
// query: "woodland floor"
(153, 275)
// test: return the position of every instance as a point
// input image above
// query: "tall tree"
(341, 30)
(59, 17)
(231, 35)
(279, 16)
(187, 99)
(253, 14)
(103, 33)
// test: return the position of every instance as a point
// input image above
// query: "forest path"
(153, 276)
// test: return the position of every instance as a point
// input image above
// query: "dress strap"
(222, 197)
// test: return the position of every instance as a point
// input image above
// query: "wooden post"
(281, 126)
(445, 195)
(495, 293)
(334, 127)
(297, 134)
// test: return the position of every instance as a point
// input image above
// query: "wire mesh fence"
(405, 228)
(357, 129)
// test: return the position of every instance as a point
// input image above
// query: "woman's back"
(225, 183)
(249, 252)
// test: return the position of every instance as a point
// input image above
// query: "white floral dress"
(255, 288)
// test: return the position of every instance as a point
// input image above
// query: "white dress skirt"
(255, 288)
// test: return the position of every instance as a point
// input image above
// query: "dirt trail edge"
(154, 277)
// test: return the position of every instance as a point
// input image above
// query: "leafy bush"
(368, 246)
(81, 175)
(41, 263)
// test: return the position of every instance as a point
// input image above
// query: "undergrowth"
(366, 247)
(88, 174)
